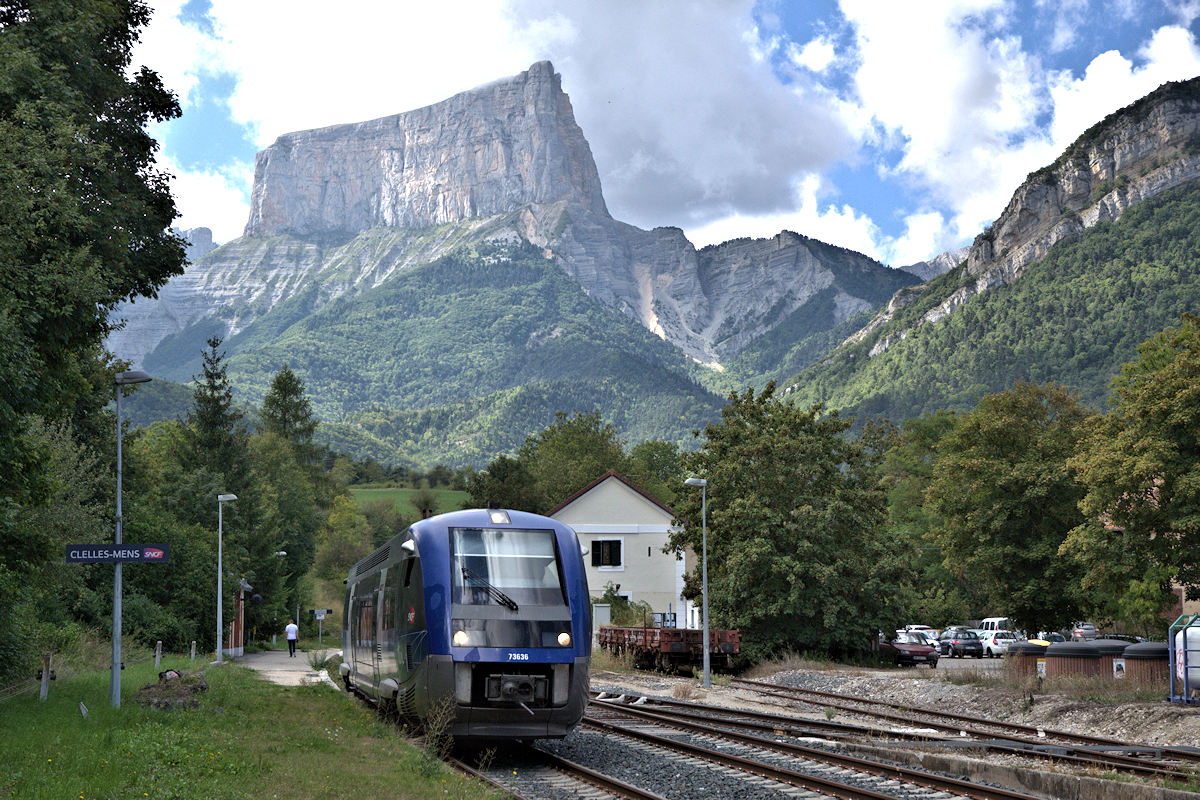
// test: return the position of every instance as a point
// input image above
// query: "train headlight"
(461, 639)
(564, 639)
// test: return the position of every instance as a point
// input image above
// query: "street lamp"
(221, 500)
(703, 484)
(121, 379)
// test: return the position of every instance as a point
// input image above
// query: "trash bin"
(1148, 663)
(1110, 653)
(1023, 659)
(1072, 659)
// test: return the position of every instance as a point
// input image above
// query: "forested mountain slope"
(481, 347)
(1074, 317)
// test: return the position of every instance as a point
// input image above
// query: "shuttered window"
(606, 553)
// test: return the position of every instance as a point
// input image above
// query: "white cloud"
(816, 55)
(303, 66)
(1112, 81)
(216, 199)
(687, 119)
(966, 94)
(177, 52)
(841, 226)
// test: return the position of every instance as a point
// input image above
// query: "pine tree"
(218, 433)
(287, 412)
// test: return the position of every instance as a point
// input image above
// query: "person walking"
(293, 633)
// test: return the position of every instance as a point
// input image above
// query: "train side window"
(408, 571)
(607, 553)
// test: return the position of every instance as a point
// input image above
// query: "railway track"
(1146, 761)
(817, 772)
(546, 776)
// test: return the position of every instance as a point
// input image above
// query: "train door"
(362, 628)
(413, 645)
(386, 643)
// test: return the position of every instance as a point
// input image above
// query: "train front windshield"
(509, 567)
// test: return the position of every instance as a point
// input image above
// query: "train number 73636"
(518, 656)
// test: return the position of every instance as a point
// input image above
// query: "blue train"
(483, 611)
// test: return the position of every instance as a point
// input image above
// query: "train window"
(505, 567)
(607, 553)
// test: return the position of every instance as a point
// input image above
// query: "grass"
(399, 497)
(247, 738)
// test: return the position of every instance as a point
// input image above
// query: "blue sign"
(113, 553)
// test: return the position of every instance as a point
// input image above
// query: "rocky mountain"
(199, 242)
(939, 264)
(1134, 154)
(341, 210)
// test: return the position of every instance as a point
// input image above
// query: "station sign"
(117, 553)
(320, 613)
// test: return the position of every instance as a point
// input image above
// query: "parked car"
(996, 643)
(957, 643)
(930, 636)
(995, 624)
(1083, 632)
(1048, 637)
(909, 648)
(1122, 637)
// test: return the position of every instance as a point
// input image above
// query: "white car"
(996, 643)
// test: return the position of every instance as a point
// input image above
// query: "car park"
(909, 648)
(960, 642)
(996, 643)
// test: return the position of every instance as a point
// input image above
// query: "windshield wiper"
(498, 595)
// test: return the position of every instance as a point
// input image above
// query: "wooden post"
(45, 677)
(157, 654)
(193, 656)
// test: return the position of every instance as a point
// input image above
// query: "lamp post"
(121, 379)
(703, 484)
(221, 500)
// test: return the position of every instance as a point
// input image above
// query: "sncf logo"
(153, 553)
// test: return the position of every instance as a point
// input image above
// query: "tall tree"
(931, 594)
(570, 454)
(1141, 465)
(287, 412)
(218, 432)
(654, 466)
(84, 214)
(1006, 500)
(506, 483)
(795, 558)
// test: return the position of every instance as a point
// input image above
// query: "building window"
(606, 553)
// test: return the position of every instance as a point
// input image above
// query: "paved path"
(278, 667)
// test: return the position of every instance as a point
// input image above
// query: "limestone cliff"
(487, 151)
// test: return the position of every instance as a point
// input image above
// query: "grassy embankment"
(400, 498)
(247, 738)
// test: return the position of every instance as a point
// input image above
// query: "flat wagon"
(671, 649)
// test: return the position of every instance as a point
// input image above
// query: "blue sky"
(896, 128)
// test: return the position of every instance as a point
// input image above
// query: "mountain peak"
(489, 150)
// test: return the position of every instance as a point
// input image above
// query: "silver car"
(1083, 632)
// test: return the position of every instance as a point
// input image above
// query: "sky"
(897, 128)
